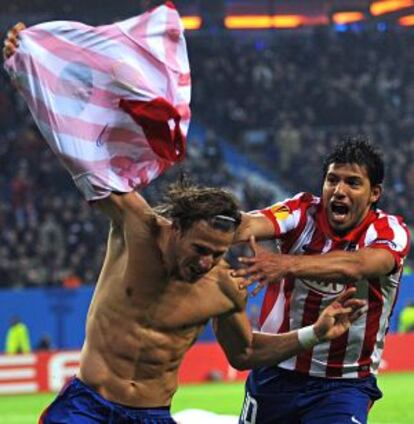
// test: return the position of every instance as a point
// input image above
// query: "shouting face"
(199, 249)
(348, 196)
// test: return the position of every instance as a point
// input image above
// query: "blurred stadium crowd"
(281, 101)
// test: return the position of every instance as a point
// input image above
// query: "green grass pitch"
(397, 406)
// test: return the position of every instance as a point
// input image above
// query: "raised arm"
(246, 350)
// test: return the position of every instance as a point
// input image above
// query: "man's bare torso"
(141, 320)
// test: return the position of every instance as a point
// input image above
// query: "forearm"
(270, 349)
(245, 349)
(340, 266)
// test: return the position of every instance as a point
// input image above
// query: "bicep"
(118, 206)
(376, 262)
(233, 331)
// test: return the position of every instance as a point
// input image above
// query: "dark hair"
(359, 150)
(186, 203)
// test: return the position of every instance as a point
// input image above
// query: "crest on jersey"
(280, 211)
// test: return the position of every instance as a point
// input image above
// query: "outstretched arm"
(254, 224)
(245, 349)
(335, 267)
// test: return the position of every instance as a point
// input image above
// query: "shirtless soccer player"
(163, 277)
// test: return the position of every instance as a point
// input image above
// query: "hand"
(11, 43)
(264, 267)
(336, 318)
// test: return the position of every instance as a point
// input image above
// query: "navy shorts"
(79, 404)
(277, 396)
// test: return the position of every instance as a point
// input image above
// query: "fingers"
(247, 259)
(253, 244)
(11, 43)
(358, 313)
(355, 303)
(8, 49)
(347, 294)
(260, 285)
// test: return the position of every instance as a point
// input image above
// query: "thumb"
(253, 244)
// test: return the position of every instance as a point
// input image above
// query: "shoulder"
(229, 285)
(388, 232)
(297, 204)
(387, 227)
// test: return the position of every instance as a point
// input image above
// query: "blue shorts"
(277, 396)
(79, 404)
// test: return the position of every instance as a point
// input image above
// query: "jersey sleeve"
(390, 233)
(111, 101)
(289, 216)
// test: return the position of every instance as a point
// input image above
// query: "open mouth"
(339, 211)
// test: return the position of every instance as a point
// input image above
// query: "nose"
(206, 262)
(339, 189)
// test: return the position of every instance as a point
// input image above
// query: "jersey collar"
(353, 235)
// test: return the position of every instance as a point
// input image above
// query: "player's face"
(199, 249)
(348, 195)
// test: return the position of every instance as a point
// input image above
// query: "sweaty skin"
(143, 318)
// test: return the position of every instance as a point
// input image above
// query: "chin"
(340, 228)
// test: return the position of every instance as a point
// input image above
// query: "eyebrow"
(347, 177)
(212, 251)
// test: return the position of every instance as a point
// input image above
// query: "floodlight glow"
(262, 21)
(343, 18)
(388, 6)
(191, 22)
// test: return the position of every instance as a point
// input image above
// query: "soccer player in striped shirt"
(328, 243)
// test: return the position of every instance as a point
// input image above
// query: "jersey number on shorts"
(249, 412)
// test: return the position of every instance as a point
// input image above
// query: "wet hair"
(186, 203)
(359, 150)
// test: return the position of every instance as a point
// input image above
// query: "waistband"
(79, 386)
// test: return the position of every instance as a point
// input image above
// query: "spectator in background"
(44, 343)
(406, 321)
(17, 338)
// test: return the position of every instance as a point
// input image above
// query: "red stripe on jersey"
(375, 305)
(269, 300)
(312, 304)
(311, 313)
(292, 236)
(269, 215)
(288, 288)
(337, 351)
(303, 205)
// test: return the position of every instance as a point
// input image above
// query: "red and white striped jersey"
(301, 225)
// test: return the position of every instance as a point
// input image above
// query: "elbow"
(240, 365)
(240, 362)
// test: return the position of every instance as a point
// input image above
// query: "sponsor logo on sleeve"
(280, 211)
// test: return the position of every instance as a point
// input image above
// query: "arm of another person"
(254, 224)
(335, 267)
(246, 350)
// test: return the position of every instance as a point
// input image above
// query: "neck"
(166, 243)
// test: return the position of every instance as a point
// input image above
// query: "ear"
(376, 192)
